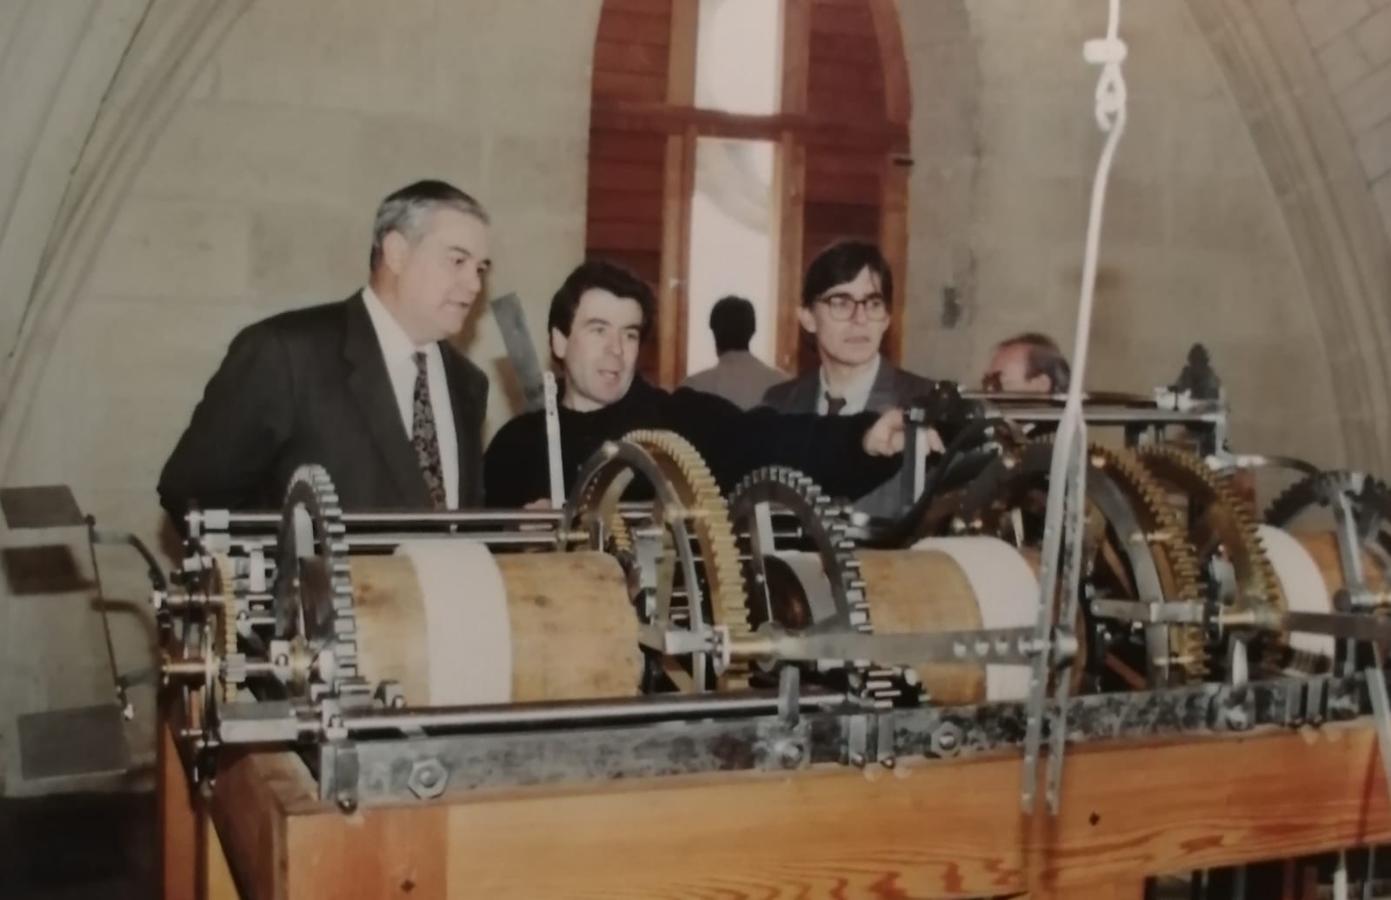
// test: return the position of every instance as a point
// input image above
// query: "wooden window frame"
(792, 130)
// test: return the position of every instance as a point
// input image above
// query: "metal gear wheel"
(1222, 525)
(1136, 546)
(825, 526)
(690, 509)
(313, 592)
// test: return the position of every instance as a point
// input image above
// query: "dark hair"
(732, 322)
(840, 263)
(1045, 358)
(404, 211)
(598, 273)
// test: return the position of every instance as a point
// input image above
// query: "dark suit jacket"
(892, 387)
(311, 386)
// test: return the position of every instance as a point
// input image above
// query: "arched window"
(730, 141)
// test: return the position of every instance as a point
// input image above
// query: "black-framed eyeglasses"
(842, 306)
(992, 383)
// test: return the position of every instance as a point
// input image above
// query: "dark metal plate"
(64, 742)
(41, 506)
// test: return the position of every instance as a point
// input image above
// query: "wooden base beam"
(923, 829)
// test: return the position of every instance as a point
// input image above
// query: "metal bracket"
(338, 774)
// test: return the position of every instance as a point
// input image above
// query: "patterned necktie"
(423, 436)
(834, 404)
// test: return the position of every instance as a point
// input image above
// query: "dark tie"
(834, 404)
(423, 436)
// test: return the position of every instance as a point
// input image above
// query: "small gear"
(234, 662)
(313, 593)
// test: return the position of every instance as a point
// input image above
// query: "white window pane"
(739, 56)
(733, 218)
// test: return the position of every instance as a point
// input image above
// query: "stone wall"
(1353, 41)
(1194, 246)
(257, 197)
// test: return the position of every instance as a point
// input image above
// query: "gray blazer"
(892, 387)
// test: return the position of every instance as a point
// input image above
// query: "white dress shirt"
(856, 394)
(398, 350)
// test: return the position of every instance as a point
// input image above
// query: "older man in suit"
(369, 386)
(846, 298)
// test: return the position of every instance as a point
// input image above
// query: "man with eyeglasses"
(846, 298)
(598, 320)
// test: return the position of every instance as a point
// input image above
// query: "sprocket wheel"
(313, 592)
(1222, 527)
(1134, 547)
(690, 510)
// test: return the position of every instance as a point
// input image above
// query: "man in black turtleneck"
(597, 321)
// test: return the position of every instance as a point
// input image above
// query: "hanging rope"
(1063, 523)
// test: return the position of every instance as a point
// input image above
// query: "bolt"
(789, 754)
(428, 778)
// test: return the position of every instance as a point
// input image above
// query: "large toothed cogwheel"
(313, 593)
(687, 502)
(1135, 546)
(1222, 527)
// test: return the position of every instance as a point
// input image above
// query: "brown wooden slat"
(851, 110)
(621, 27)
(623, 115)
(623, 236)
(647, 265)
(844, 219)
(625, 86)
(822, 162)
(632, 58)
(847, 77)
(637, 207)
(849, 48)
(608, 146)
(842, 18)
(643, 7)
(625, 177)
(847, 188)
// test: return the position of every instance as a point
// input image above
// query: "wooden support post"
(192, 864)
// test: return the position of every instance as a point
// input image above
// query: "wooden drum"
(453, 624)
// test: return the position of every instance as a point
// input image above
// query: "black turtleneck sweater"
(733, 442)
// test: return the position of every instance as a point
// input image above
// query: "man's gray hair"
(1045, 357)
(405, 211)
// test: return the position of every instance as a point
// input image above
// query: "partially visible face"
(601, 352)
(1009, 372)
(854, 342)
(437, 278)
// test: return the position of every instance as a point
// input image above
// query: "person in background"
(738, 376)
(847, 295)
(1028, 363)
